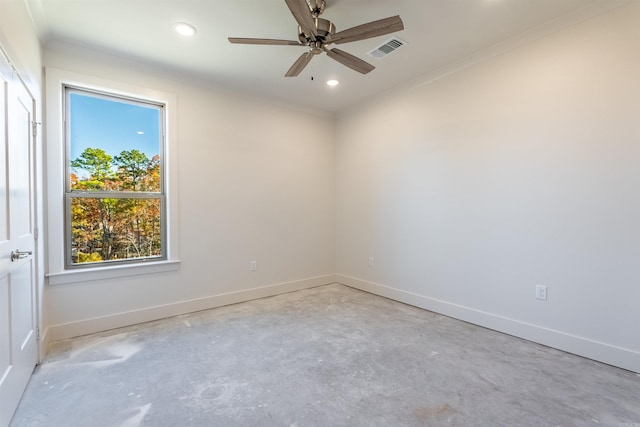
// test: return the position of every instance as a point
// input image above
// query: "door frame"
(37, 168)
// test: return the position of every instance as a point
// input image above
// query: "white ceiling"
(438, 33)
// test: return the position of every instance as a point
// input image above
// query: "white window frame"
(58, 272)
(69, 194)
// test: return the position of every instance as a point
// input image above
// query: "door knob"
(17, 254)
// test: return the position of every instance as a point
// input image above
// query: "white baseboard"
(99, 324)
(44, 344)
(601, 352)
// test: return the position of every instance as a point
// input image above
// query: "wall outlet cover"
(541, 292)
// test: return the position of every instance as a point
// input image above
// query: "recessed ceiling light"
(185, 29)
(333, 83)
(140, 132)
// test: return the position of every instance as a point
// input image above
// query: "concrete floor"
(328, 356)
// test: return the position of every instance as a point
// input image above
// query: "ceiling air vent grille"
(388, 47)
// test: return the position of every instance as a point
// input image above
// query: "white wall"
(256, 182)
(518, 171)
(21, 42)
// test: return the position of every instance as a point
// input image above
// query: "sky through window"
(112, 126)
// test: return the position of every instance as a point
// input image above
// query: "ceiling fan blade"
(299, 65)
(366, 31)
(239, 40)
(350, 61)
(301, 11)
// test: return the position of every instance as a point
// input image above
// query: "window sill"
(91, 274)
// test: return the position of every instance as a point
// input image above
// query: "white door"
(18, 341)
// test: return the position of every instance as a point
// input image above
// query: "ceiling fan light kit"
(317, 34)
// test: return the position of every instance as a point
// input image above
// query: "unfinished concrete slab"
(328, 356)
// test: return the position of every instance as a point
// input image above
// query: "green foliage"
(96, 162)
(132, 168)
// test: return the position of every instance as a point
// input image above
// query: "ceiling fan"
(317, 33)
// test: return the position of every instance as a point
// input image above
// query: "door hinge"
(34, 127)
(35, 233)
(38, 334)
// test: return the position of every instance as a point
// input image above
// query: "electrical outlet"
(371, 261)
(253, 266)
(541, 292)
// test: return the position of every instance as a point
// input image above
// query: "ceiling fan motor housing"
(324, 28)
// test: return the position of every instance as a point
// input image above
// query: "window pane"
(114, 145)
(115, 229)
